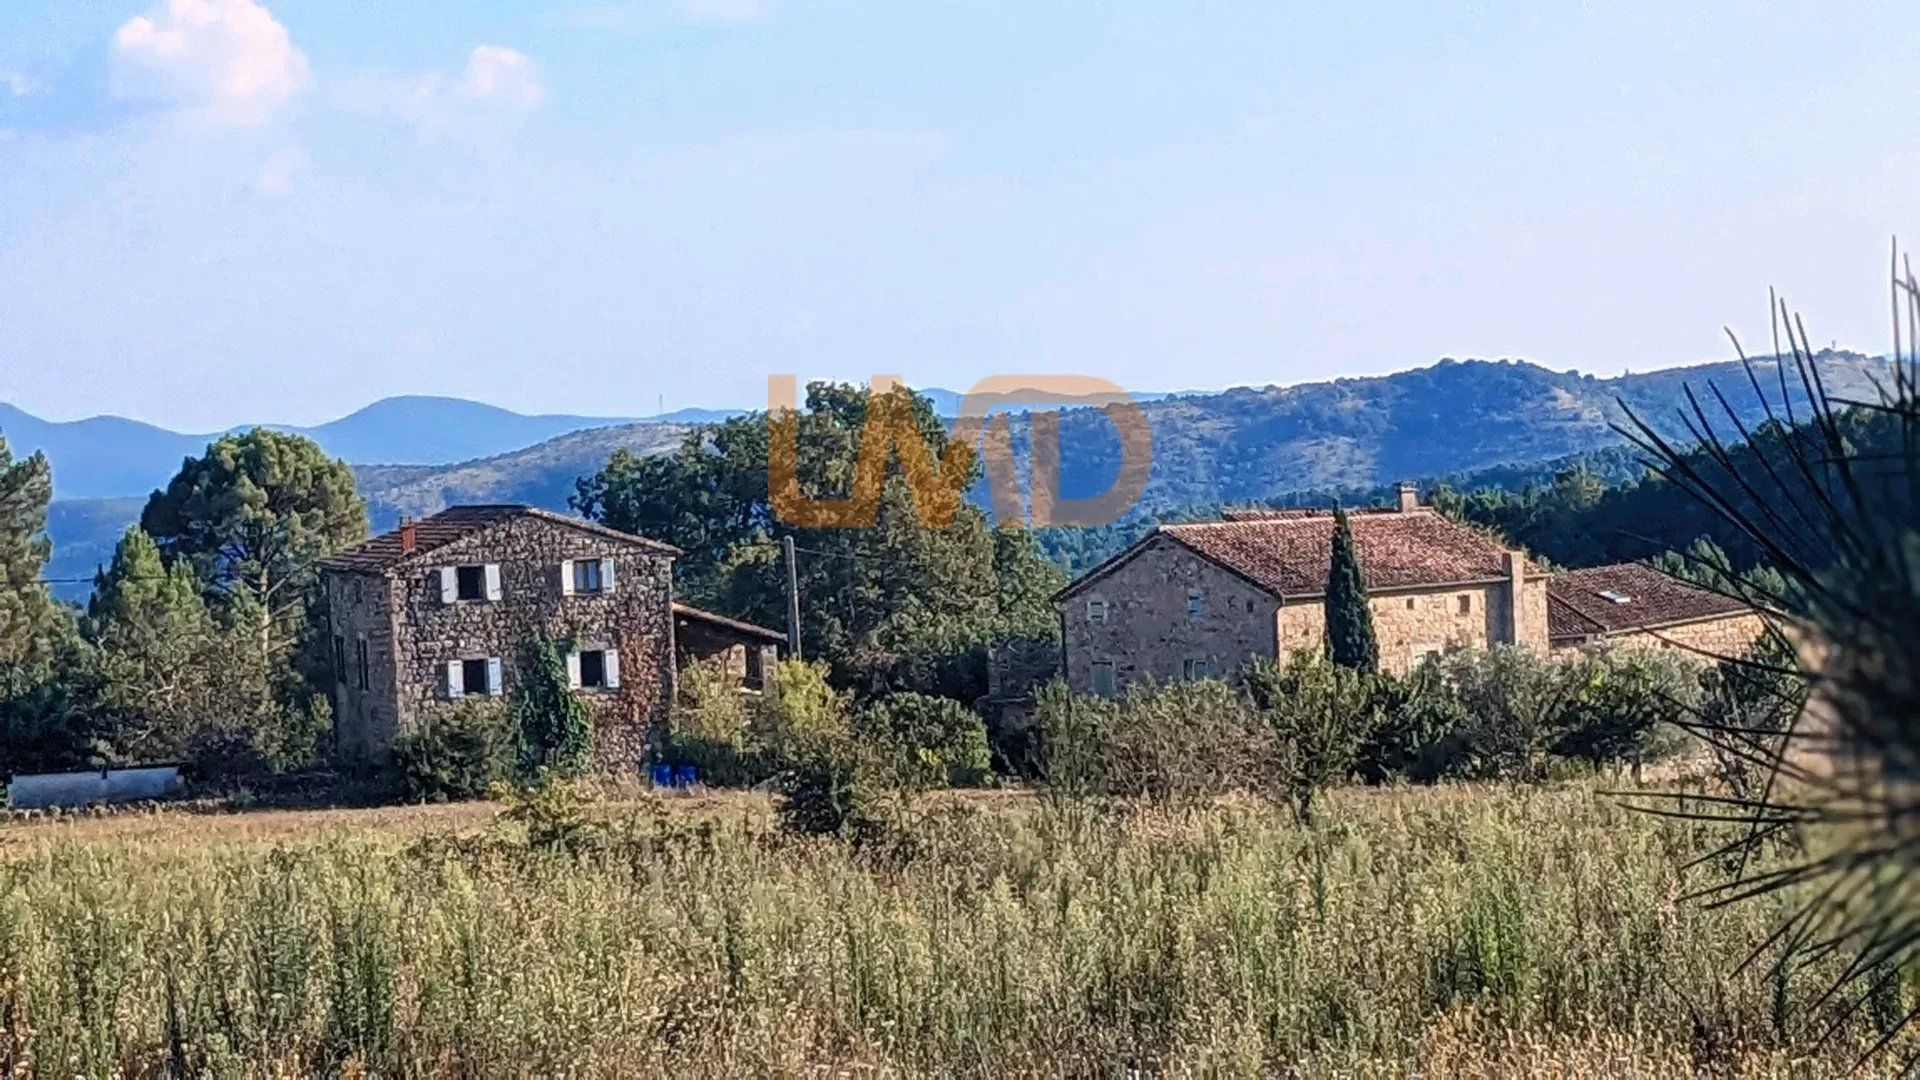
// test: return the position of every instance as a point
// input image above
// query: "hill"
(106, 456)
(1455, 416)
(1474, 422)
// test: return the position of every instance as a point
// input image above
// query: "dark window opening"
(470, 582)
(340, 658)
(756, 668)
(586, 576)
(473, 677)
(593, 668)
(361, 666)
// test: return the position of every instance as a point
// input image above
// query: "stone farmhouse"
(439, 611)
(1198, 599)
(1631, 604)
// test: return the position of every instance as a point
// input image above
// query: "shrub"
(930, 741)
(554, 730)
(1514, 701)
(1417, 733)
(1623, 703)
(1320, 714)
(710, 727)
(454, 754)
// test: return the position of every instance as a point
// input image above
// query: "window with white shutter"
(492, 571)
(606, 575)
(613, 669)
(594, 669)
(454, 680)
(494, 687)
(566, 577)
(449, 584)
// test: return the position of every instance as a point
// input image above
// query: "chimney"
(409, 537)
(1409, 496)
(1516, 596)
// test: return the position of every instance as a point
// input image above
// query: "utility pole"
(793, 599)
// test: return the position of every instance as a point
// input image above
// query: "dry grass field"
(1459, 931)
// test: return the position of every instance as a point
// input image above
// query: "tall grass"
(1458, 929)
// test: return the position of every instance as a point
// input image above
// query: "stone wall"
(364, 721)
(1706, 640)
(635, 618)
(1148, 634)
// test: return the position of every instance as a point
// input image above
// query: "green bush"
(1320, 714)
(453, 754)
(1418, 733)
(1624, 705)
(711, 727)
(930, 741)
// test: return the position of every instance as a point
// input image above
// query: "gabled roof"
(1288, 553)
(1627, 597)
(382, 553)
(744, 629)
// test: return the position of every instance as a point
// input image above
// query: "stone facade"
(1410, 624)
(1204, 599)
(748, 653)
(1707, 639)
(411, 633)
(1147, 631)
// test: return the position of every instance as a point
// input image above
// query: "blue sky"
(217, 211)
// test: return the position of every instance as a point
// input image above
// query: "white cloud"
(488, 98)
(18, 84)
(501, 76)
(228, 61)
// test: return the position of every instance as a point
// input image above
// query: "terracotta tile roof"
(1626, 597)
(382, 553)
(746, 629)
(1287, 552)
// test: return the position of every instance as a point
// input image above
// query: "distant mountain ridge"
(1502, 418)
(107, 456)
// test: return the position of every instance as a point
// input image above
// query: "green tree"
(31, 624)
(900, 605)
(166, 668)
(1350, 638)
(47, 718)
(1321, 714)
(252, 516)
(553, 728)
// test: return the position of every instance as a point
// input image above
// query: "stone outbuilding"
(1632, 604)
(1192, 600)
(439, 612)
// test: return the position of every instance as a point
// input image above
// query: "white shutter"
(573, 670)
(493, 677)
(449, 585)
(493, 581)
(613, 669)
(566, 577)
(606, 576)
(454, 689)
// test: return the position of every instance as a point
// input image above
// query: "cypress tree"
(1350, 640)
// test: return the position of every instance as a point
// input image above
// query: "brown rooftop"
(388, 550)
(1288, 552)
(738, 626)
(1627, 597)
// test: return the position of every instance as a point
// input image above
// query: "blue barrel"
(685, 775)
(663, 776)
